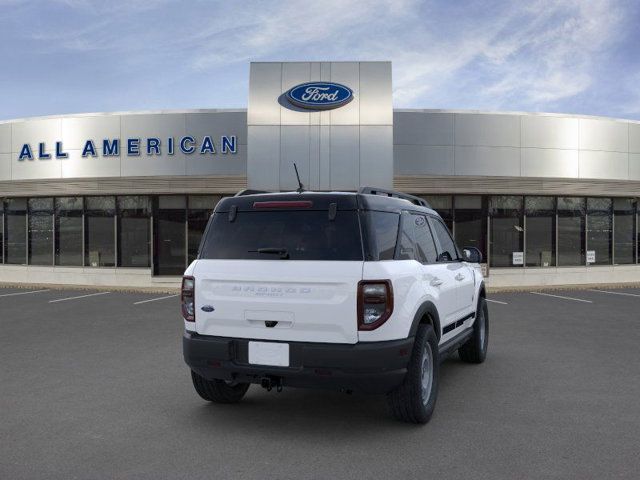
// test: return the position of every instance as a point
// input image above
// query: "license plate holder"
(274, 354)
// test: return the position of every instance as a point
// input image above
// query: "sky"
(75, 56)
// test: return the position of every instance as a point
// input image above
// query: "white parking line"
(22, 293)
(80, 296)
(616, 293)
(155, 299)
(496, 301)
(560, 296)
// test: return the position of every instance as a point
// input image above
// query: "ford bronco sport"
(362, 292)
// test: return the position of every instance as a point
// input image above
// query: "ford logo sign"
(319, 95)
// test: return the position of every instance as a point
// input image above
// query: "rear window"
(286, 234)
(382, 234)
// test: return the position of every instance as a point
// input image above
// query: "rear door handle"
(436, 282)
(459, 277)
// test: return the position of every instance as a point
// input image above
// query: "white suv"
(358, 292)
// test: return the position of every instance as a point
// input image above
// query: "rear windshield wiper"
(283, 252)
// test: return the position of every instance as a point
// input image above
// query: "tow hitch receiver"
(269, 382)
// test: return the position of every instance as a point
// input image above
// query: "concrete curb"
(37, 286)
(581, 286)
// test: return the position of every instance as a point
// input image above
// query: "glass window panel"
(200, 209)
(100, 232)
(447, 250)
(134, 236)
(470, 218)
(571, 231)
(303, 234)
(1, 231)
(407, 250)
(41, 231)
(425, 245)
(106, 205)
(16, 231)
(382, 234)
(506, 229)
(172, 202)
(68, 231)
(599, 229)
(170, 235)
(443, 204)
(541, 231)
(624, 230)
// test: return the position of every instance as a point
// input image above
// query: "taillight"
(375, 303)
(188, 299)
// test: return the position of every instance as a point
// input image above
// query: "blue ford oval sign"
(320, 95)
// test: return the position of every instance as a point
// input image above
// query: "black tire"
(410, 402)
(475, 350)
(218, 391)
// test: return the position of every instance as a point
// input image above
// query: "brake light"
(188, 299)
(284, 204)
(375, 303)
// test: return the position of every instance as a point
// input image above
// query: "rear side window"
(416, 241)
(425, 246)
(447, 251)
(382, 234)
(285, 234)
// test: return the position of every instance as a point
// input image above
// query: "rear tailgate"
(287, 300)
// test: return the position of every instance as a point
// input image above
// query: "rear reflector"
(284, 204)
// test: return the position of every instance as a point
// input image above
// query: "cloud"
(493, 54)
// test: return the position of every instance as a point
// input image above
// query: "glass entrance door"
(170, 257)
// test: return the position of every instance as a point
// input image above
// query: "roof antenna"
(300, 185)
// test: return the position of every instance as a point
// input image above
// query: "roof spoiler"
(248, 191)
(392, 193)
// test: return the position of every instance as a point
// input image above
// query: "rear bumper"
(373, 367)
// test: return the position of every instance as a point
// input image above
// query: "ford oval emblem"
(207, 308)
(320, 95)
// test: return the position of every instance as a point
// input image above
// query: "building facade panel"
(504, 161)
(266, 138)
(606, 135)
(33, 132)
(294, 73)
(5, 166)
(487, 130)
(77, 130)
(294, 147)
(545, 131)
(346, 73)
(634, 166)
(423, 128)
(5, 138)
(550, 162)
(423, 160)
(219, 164)
(77, 166)
(217, 124)
(376, 100)
(36, 168)
(345, 146)
(634, 137)
(376, 145)
(266, 79)
(604, 165)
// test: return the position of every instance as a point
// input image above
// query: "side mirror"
(471, 255)
(444, 257)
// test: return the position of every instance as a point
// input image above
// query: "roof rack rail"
(392, 193)
(248, 191)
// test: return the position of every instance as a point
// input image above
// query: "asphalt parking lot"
(95, 387)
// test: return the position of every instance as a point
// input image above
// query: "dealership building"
(123, 198)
